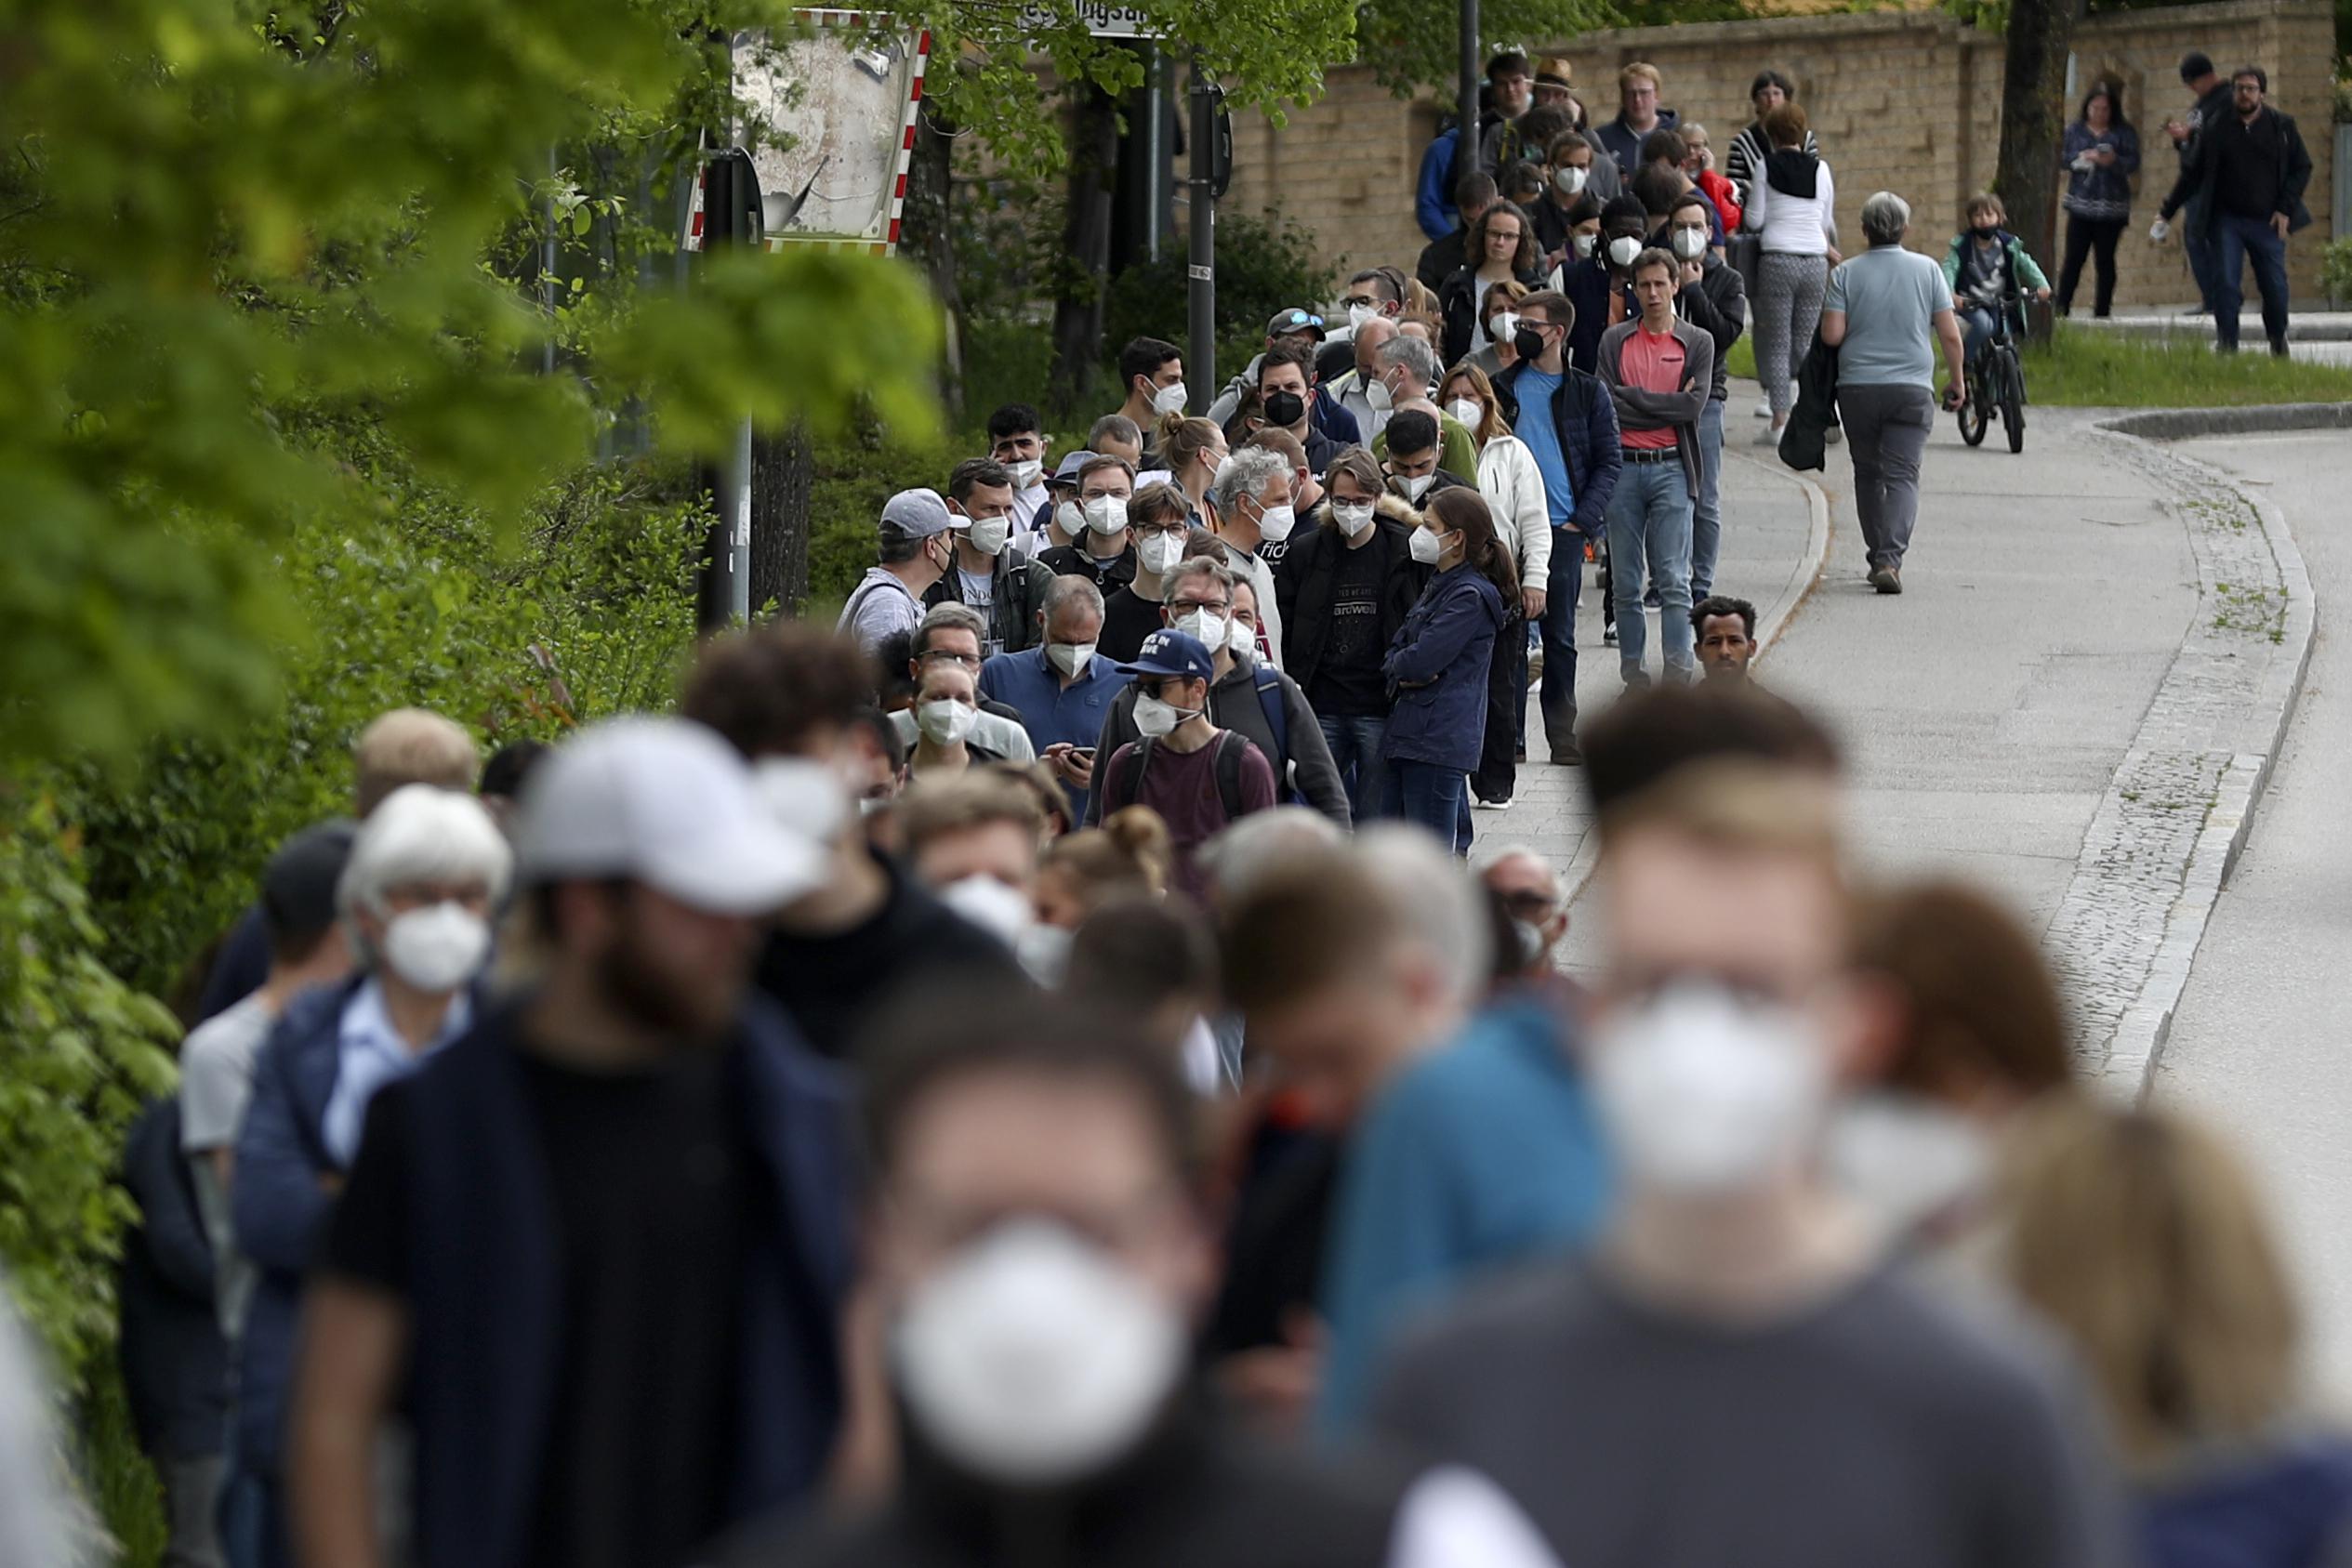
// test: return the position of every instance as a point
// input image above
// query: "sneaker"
(1768, 436)
(1888, 579)
(1567, 754)
(1651, 601)
(1535, 667)
(1501, 805)
(1764, 408)
(1833, 435)
(1608, 636)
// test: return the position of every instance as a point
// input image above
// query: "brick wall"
(1908, 102)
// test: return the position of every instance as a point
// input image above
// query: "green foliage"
(1263, 265)
(80, 1052)
(221, 224)
(2089, 368)
(2335, 271)
(588, 612)
(1413, 42)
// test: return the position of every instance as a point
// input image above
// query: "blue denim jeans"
(1563, 588)
(1976, 331)
(2236, 240)
(1437, 799)
(1649, 543)
(1355, 748)
(1706, 517)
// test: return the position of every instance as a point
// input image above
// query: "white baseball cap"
(665, 802)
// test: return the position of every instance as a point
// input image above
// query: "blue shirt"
(1052, 714)
(1484, 1153)
(371, 1053)
(1537, 427)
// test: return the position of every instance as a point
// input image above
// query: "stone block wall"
(1908, 101)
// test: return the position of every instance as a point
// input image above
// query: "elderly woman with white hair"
(425, 874)
(1885, 311)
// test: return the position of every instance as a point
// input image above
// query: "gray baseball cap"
(917, 514)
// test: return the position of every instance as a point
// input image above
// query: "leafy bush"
(80, 1052)
(2335, 271)
(589, 612)
(1261, 267)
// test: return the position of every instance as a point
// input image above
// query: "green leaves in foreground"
(222, 230)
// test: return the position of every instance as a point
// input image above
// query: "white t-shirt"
(215, 1084)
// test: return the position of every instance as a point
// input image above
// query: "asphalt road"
(2262, 1041)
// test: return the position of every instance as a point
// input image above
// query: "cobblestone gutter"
(2175, 815)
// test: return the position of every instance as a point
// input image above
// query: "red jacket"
(1726, 199)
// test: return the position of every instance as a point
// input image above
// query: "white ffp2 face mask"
(1070, 658)
(944, 721)
(1375, 394)
(989, 534)
(1033, 1359)
(1418, 486)
(1026, 472)
(1241, 638)
(1467, 411)
(1155, 717)
(1623, 249)
(1275, 524)
(1206, 624)
(437, 948)
(1106, 514)
(1427, 547)
(1570, 179)
(1169, 400)
(1160, 553)
(805, 795)
(1586, 245)
(1070, 518)
(1705, 1095)
(1353, 519)
(1690, 244)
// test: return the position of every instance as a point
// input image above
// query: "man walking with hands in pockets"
(1660, 371)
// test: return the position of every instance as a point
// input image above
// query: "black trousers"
(1497, 773)
(2088, 236)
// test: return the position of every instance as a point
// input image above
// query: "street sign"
(1102, 20)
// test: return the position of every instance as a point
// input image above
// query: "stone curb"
(2180, 423)
(1770, 622)
(2255, 738)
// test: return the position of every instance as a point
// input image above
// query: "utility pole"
(1200, 348)
(732, 220)
(1466, 151)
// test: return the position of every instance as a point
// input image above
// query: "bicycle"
(1997, 379)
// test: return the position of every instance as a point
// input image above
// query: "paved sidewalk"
(1985, 710)
(2258, 1044)
(1765, 559)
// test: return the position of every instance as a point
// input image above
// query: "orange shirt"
(1653, 363)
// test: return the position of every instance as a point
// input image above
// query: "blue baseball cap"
(1171, 655)
(1295, 320)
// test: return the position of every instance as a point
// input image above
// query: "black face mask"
(1285, 408)
(1528, 342)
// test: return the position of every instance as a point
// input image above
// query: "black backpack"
(1121, 790)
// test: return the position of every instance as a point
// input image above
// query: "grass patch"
(2086, 367)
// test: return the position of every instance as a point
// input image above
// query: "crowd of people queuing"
(1036, 1073)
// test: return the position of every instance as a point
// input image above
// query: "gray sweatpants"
(1787, 306)
(1886, 428)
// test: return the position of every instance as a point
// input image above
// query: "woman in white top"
(1793, 205)
(1512, 486)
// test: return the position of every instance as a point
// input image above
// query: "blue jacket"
(486, 1310)
(1436, 669)
(1433, 193)
(174, 1367)
(1584, 415)
(1622, 142)
(2286, 1507)
(281, 1209)
(1484, 1153)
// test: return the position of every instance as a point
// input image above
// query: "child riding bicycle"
(1985, 264)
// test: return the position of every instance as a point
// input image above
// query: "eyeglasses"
(942, 656)
(1353, 301)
